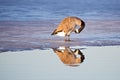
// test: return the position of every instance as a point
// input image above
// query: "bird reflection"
(68, 56)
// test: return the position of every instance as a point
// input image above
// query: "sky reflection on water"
(99, 63)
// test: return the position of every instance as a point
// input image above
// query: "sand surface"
(23, 35)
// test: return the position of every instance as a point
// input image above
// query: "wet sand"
(27, 51)
(26, 35)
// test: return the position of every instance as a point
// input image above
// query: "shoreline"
(49, 48)
(26, 35)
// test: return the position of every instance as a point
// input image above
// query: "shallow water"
(22, 23)
(47, 9)
(29, 52)
(100, 63)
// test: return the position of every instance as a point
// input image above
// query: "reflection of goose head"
(69, 57)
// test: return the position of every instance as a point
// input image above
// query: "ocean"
(29, 10)
(23, 21)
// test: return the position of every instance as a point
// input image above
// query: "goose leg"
(67, 38)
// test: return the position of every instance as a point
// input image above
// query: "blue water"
(58, 9)
(23, 21)
(100, 63)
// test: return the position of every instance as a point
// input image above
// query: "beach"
(23, 35)
(27, 51)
